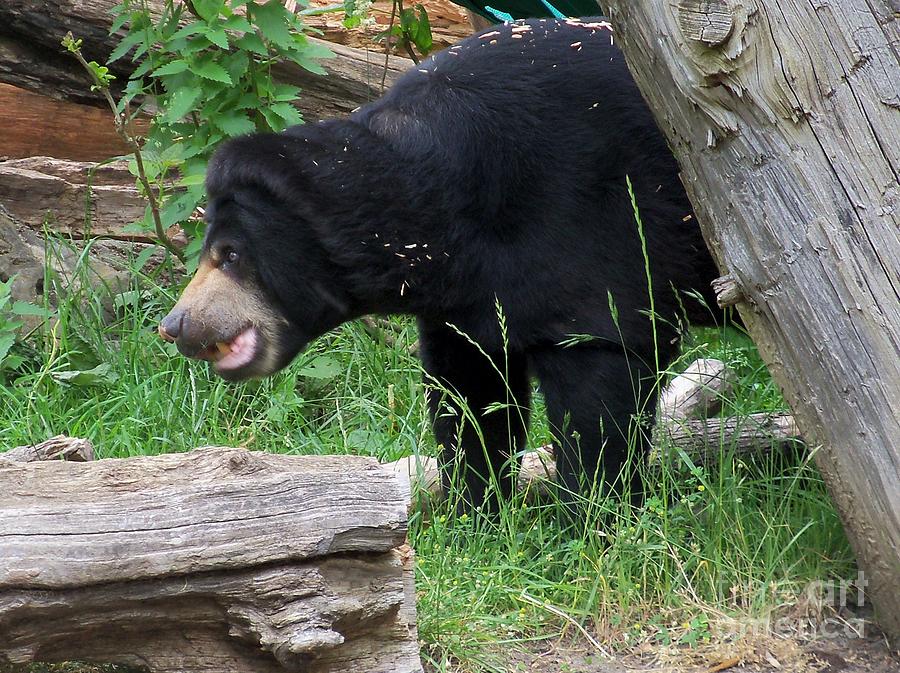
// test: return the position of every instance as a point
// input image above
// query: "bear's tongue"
(239, 352)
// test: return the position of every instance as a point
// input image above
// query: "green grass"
(737, 539)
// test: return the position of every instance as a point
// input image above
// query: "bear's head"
(266, 284)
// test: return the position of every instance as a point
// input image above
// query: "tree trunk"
(216, 560)
(784, 117)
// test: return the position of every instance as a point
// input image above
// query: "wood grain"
(215, 560)
(788, 135)
(33, 124)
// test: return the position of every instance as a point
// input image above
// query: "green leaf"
(316, 50)
(246, 101)
(178, 209)
(194, 46)
(13, 361)
(322, 367)
(129, 299)
(172, 68)
(253, 43)
(191, 29)
(272, 20)
(211, 70)
(125, 46)
(236, 22)
(235, 123)
(7, 339)
(208, 9)
(301, 59)
(101, 375)
(145, 67)
(121, 19)
(274, 122)
(80, 354)
(181, 102)
(190, 180)
(408, 22)
(25, 308)
(423, 38)
(236, 64)
(287, 112)
(284, 93)
(217, 36)
(141, 260)
(172, 155)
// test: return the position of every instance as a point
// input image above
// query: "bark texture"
(56, 448)
(79, 199)
(30, 34)
(215, 560)
(785, 116)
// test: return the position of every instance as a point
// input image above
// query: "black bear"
(487, 194)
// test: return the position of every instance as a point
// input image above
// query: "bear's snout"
(170, 326)
(192, 341)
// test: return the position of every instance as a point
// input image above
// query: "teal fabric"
(528, 9)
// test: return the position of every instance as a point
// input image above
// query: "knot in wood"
(706, 21)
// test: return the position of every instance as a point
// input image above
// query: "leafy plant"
(204, 71)
(413, 29)
(11, 313)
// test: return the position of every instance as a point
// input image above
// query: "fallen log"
(214, 560)
(703, 440)
(30, 50)
(60, 447)
(698, 392)
(74, 198)
(34, 124)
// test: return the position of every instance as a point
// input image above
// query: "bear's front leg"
(479, 404)
(599, 400)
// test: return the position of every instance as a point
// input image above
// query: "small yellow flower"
(701, 487)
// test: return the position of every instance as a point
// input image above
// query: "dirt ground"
(831, 651)
(763, 655)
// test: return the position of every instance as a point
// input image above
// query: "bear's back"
(531, 102)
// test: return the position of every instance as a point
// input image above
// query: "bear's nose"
(170, 327)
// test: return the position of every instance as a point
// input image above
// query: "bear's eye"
(230, 256)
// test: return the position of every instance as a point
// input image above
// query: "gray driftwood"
(697, 392)
(785, 118)
(60, 447)
(703, 440)
(216, 560)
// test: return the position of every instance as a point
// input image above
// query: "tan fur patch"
(218, 307)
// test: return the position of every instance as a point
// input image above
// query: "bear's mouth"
(235, 353)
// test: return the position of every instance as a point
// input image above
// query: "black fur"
(493, 174)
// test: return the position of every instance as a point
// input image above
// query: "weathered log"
(25, 255)
(31, 40)
(32, 124)
(215, 560)
(704, 439)
(786, 126)
(55, 448)
(697, 392)
(66, 197)
(728, 292)
(449, 22)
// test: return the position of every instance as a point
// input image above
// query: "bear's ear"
(264, 160)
